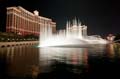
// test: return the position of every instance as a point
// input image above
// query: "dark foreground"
(94, 66)
(97, 69)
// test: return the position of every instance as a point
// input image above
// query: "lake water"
(30, 62)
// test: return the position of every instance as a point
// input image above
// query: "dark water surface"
(29, 62)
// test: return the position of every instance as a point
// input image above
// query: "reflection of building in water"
(117, 49)
(110, 50)
(20, 59)
(74, 56)
(85, 57)
(3, 63)
(80, 57)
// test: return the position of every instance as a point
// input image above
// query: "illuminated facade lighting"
(23, 22)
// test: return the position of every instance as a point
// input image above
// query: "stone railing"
(9, 44)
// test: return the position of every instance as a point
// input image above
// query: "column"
(28, 25)
(32, 27)
(11, 22)
(23, 24)
(85, 31)
(20, 25)
(32, 24)
(17, 25)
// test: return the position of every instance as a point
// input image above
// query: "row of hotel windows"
(28, 16)
(18, 22)
(13, 17)
(25, 24)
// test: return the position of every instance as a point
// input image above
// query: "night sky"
(101, 17)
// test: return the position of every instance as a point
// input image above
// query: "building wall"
(23, 22)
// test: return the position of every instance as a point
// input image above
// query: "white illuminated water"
(75, 34)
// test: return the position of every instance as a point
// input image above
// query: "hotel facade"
(22, 22)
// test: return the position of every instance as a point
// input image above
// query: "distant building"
(23, 22)
(110, 37)
(76, 29)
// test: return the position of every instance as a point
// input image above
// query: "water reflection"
(67, 55)
(117, 50)
(25, 60)
(70, 56)
(3, 63)
(20, 59)
(110, 51)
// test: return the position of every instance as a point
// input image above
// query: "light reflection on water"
(74, 56)
(21, 59)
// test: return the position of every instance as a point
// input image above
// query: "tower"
(84, 30)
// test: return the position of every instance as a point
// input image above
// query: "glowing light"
(74, 34)
(36, 12)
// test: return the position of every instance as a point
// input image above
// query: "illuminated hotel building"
(23, 22)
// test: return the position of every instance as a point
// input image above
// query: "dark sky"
(102, 17)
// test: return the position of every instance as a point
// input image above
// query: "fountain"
(75, 34)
